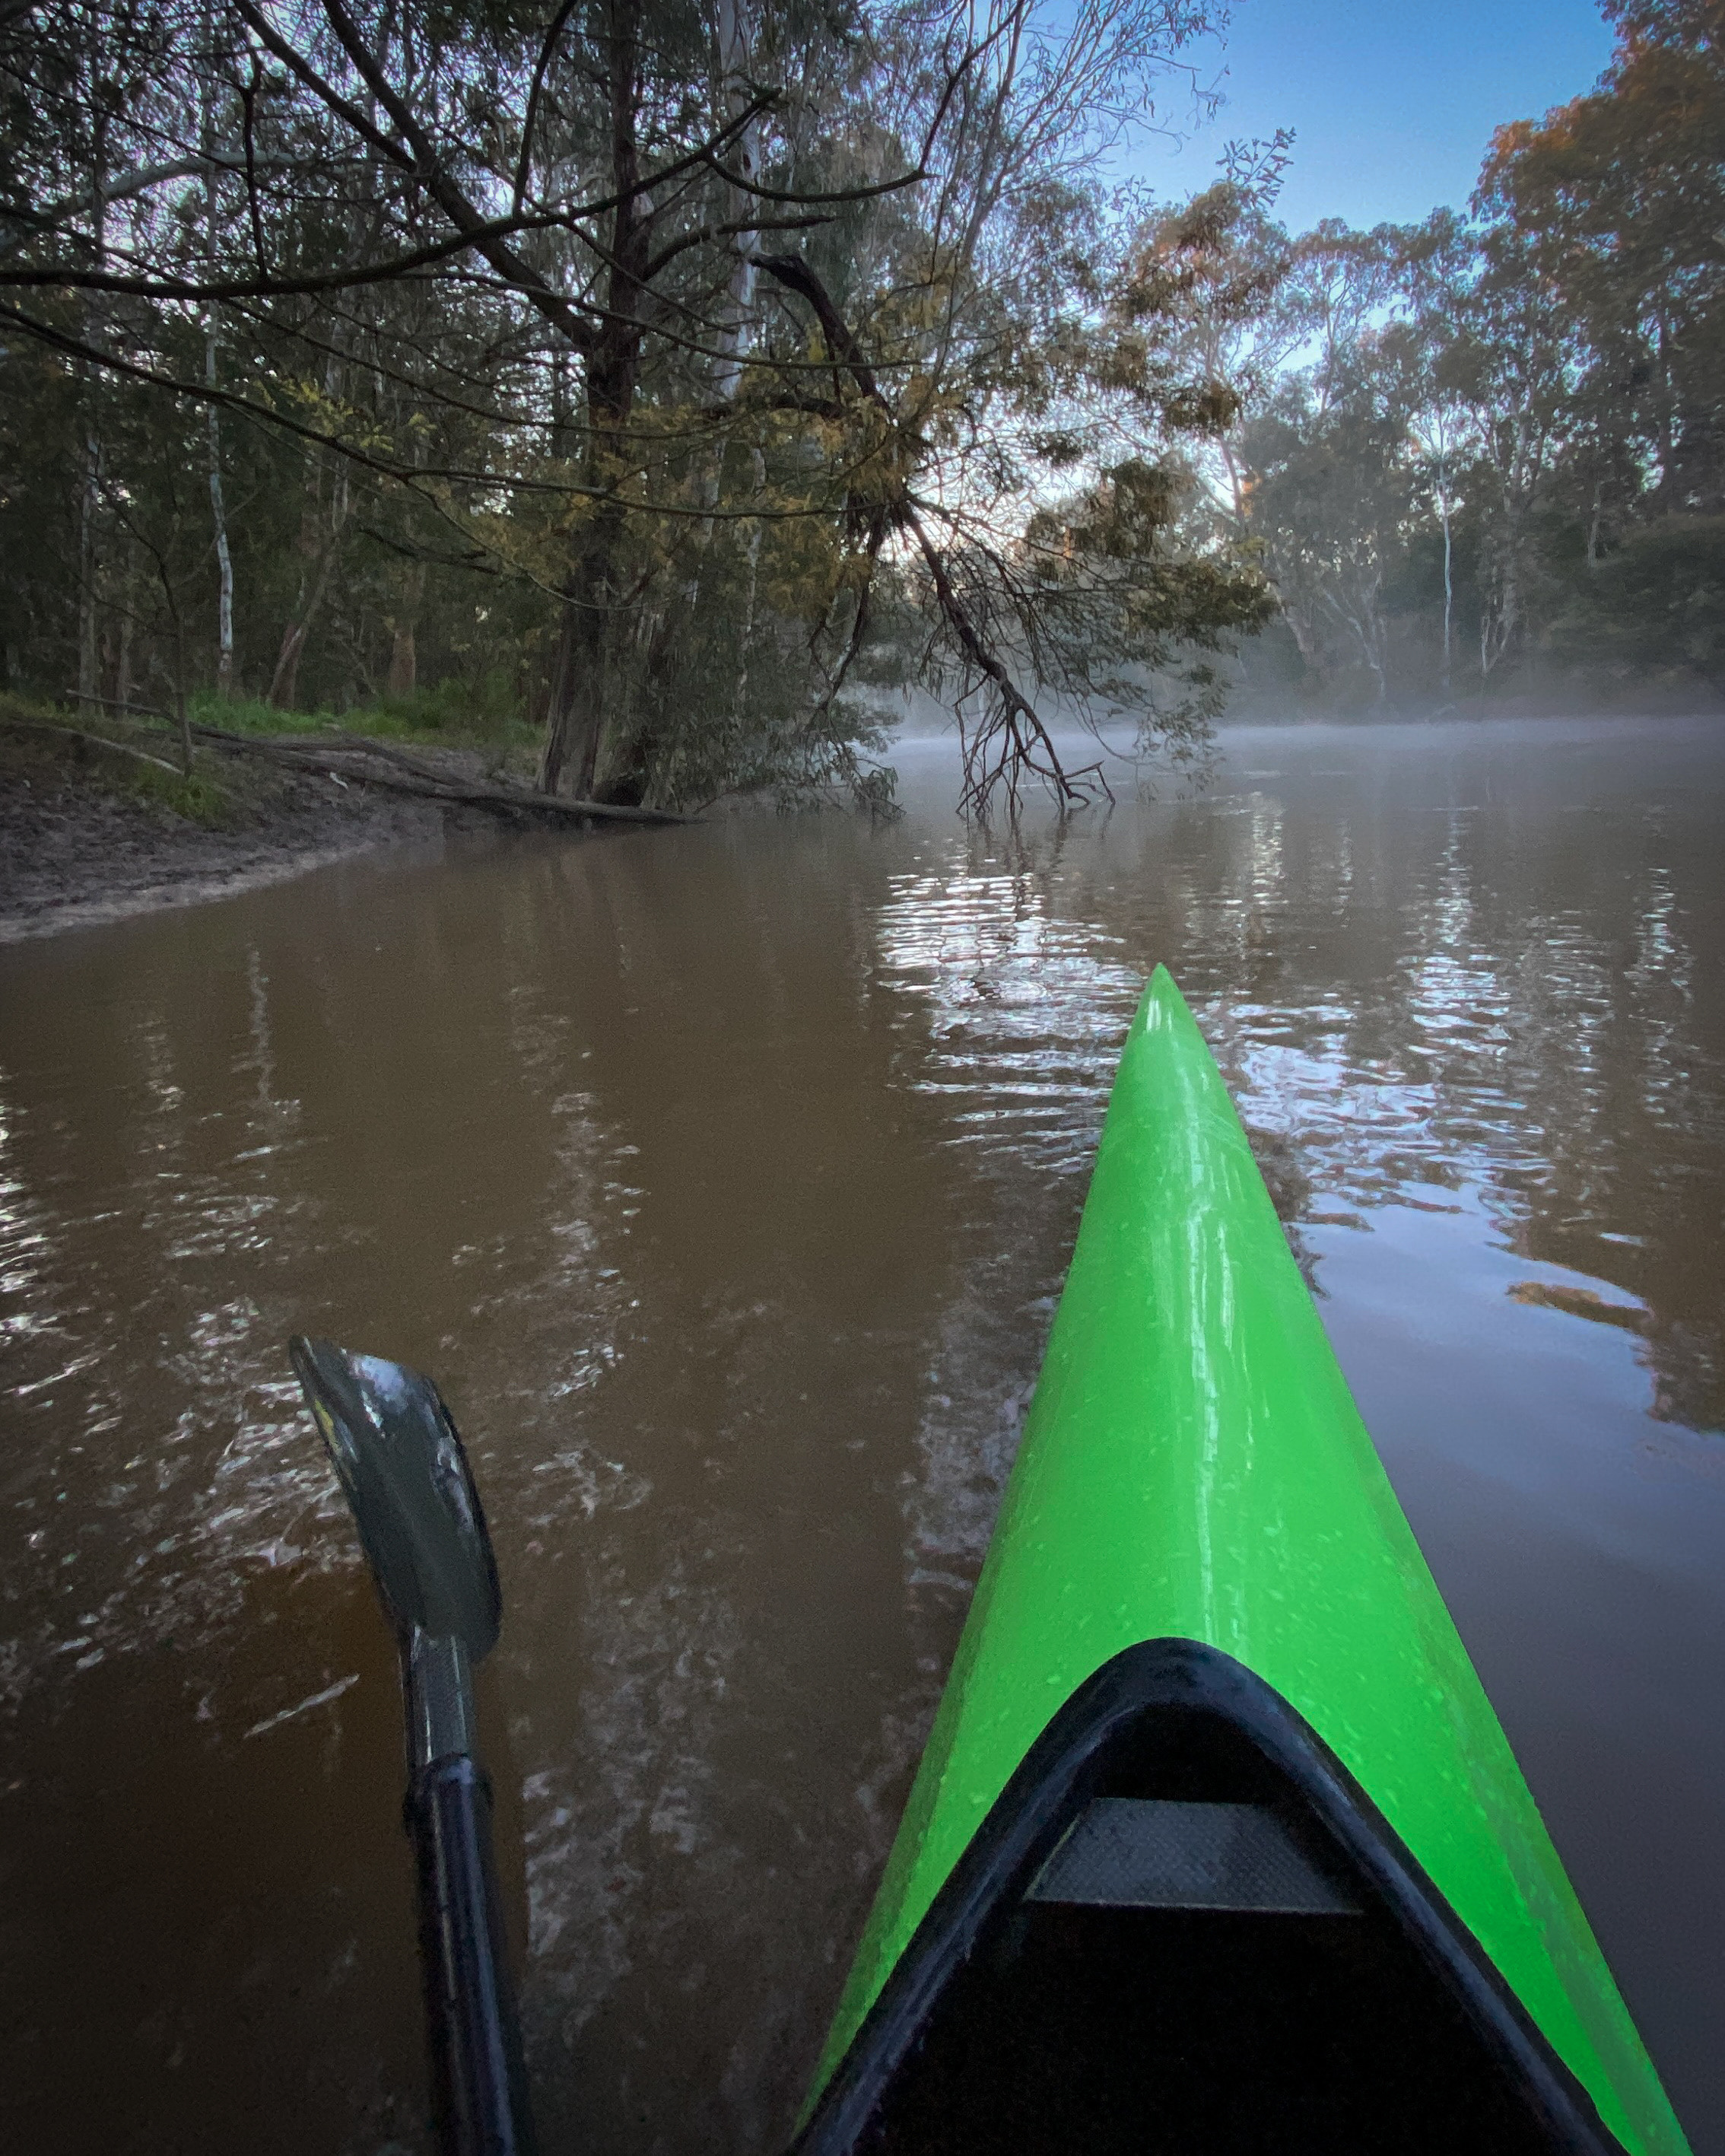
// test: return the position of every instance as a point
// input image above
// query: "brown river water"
(724, 1178)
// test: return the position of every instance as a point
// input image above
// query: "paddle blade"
(412, 1493)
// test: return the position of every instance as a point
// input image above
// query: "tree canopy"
(692, 377)
(694, 371)
(1484, 440)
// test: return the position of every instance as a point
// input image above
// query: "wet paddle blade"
(412, 1493)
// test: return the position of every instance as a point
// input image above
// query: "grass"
(197, 800)
(454, 715)
(482, 718)
(30, 752)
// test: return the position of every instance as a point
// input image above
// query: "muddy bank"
(92, 824)
(74, 850)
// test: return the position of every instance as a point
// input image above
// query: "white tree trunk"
(1449, 588)
(89, 498)
(736, 39)
(90, 491)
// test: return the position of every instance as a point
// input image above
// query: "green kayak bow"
(1217, 1843)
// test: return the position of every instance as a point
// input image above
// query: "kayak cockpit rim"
(1177, 1721)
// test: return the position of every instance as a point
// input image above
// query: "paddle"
(417, 1511)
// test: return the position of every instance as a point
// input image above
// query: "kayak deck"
(1202, 1592)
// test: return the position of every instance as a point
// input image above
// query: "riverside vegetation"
(643, 394)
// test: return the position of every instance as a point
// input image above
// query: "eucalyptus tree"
(1240, 324)
(1432, 267)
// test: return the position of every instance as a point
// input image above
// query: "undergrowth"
(40, 745)
(223, 789)
(452, 715)
(199, 799)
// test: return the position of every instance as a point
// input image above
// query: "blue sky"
(1393, 101)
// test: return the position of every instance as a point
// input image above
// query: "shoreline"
(33, 919)
(75, 854)
(94, 829)
(78, 851)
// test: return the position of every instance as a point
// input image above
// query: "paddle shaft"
(479, 2079)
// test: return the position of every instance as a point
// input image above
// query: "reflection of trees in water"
(1015, 1010)
(393, 1147)
(158, 1448)
(1685, 1369)
(310, 1130)
(1689, 1378)
(1484, 996)
(708, 1612)
(1019, 1023)
(1476, 990)
(1023, 1001)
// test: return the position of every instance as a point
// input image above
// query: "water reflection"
(1018, 1014)
(726, 1179)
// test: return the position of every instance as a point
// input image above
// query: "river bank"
(76, 849)
(90, 833)
(94, 826)
(96, 822)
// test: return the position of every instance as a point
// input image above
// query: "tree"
(725, 319)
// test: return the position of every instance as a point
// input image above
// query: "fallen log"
(320, 744)
(317, 752)
(313, 752)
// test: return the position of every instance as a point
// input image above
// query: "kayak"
(1217, 1843)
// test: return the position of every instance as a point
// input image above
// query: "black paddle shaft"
(478, 2079)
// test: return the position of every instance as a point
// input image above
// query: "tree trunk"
(284, 681)
(589, 642)
(403, 663)
(320, 542)
(409, 592)
(1498, 623)
(218, 517)
(89, 494)
(1449, 592)
(319, 538)
(219, 509)
(89, 640)
(577, 719)
(123, 657)
(736, 37)
(751, 586)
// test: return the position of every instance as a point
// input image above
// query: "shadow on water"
(725, 1179)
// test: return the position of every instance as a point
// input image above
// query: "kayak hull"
(1194, 1471)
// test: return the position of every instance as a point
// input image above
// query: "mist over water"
(725, 1179)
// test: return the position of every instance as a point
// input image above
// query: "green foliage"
(1486, 454)
(453, 713)
(1656, 605)
(684, 489)
(197, 800)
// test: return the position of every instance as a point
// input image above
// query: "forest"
(671, 384)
